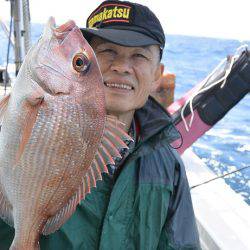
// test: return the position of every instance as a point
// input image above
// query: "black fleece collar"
(154, 119)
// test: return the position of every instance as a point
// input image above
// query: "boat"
(222, 215)
(223, 218)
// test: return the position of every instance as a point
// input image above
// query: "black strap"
(220, 100)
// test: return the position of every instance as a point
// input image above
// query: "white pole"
(18, 33)
(26, 24)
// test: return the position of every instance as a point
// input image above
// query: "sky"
(207, 18)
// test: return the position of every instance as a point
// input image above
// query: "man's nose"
(121, 65)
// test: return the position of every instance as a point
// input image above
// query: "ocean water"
(225, 147)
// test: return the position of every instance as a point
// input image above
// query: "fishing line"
(221, 176)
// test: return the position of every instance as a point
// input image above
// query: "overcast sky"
(210, 18)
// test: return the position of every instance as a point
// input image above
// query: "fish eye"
(81, 63)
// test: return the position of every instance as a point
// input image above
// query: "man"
(144, 202)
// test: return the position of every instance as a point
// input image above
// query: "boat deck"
(223, 217)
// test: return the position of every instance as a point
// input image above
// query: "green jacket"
(148, 206)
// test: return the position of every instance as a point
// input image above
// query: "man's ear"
(158, 73)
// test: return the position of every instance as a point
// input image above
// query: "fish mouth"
(62, 31)
(59, 32)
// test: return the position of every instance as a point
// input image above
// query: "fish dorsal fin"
(5, 209)
(3, 105)
(114, 139)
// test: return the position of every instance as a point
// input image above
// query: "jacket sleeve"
(6, 235)
(180, 230)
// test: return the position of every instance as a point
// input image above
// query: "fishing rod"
(208, 102)
(219, 177)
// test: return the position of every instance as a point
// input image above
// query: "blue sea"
(226, 147)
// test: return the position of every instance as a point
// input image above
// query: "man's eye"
(110, 51)
(139, 55)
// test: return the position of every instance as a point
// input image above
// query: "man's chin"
(116, 110)
(117, 107)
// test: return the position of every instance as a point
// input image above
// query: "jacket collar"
(155, 120)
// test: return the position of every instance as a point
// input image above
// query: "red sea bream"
(55, 138)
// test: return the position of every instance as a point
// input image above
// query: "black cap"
(125, 23)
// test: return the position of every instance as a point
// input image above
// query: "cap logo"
(110, 13)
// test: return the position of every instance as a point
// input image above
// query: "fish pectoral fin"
(3, 105)
(31, 105)
(5, 209)
(114, 139)
(36, 96)
(29, 121)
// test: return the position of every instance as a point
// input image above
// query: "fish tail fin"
(28, 226)
(21, 242)
(17, 247)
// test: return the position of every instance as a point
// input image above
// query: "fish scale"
(54, 142)
(53, 136)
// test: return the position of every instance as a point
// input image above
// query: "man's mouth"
(118, 85)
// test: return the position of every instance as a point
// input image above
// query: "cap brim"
(121, 37)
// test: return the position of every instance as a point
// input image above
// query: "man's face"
(129, 74)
